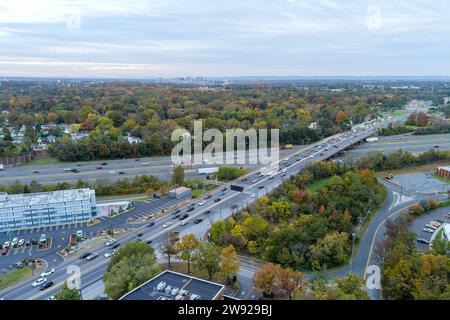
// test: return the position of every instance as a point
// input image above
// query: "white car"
(67, 169)
(7, 244)
(429, 230)
(253, 195)
(14, 242)
(110, 242)
(146, 163)
(110, 254)
(51, 298)
(45, 274)
(168, 223)
(201, 203)
(284, 170)
(21, 242)
(113, 172)
(184, 222)
(39, 281)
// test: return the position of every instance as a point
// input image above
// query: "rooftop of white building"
(32, 199)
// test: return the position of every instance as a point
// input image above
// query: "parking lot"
(420, 183)
(417, 225)
(60, 234)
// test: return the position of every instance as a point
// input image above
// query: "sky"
(226, 38)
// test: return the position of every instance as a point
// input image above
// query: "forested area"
(303, 230)
(108, 112)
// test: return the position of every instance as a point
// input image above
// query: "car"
(429, 230)
(104, 163)
(121, 172)
(436, 146)
(5, 251)
(47, 273)
(79, 165)
(39, 282)
(208, 197)
(224, 189)
(431, 226)
(28, 242)
(184, 222)
(435, 223)
(139, 235)
(110, 242)
(99, 167)
(190, 209)
(67, 169)
(208, 212)
(271, 177)
(244, 179)
(75, 171)
(80, 234)
(145, 163)
(110, 254)
(184, 216)
(217, 200)
(35, 172)
(168, 289)
(198, 220)
(85, 255)
(176, 211)
(112, 172)
(92, 256)
(18, 265)
(201, 203)
(283, 175)
(151, 224)
(175, 216)
(284, 170)
(221, 194)
(43, 238)
(168, 223)
(157, 195)
(253, 195)
(14, 241)
(261, 187)
(149, 241)
(51, 298)
(254, 180)
(422, 240)
(115, 246)
(47, 285)
(137, 159)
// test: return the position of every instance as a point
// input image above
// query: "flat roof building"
(30, 210)
(170, 285)
(443, 172)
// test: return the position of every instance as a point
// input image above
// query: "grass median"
(14, 276)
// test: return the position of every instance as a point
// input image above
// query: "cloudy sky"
(152, 38)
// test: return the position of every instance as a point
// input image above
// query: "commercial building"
(170, 285)
(443, 172)
(180, 193)
(23, 211)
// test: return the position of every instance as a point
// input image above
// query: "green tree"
(208, 258)
(186, 247)
(178, 175)
(131, 266)
(67, 294)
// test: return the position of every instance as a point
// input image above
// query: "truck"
(208, 170)
(372, 139)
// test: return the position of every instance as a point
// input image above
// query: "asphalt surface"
(160, 167)
(413, 144)
(229, 201)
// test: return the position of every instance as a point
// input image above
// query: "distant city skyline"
(254, 38)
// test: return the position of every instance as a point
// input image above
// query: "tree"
(208, 258)
(178, 175)
(229, 262)
(266, 278)
(67, 294)
(185, 248)
(288, 280)
(330, 251)
(169, 246)
(131, 266)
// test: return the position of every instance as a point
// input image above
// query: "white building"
(23, 211)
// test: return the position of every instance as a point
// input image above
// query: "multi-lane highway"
(160, 167)
(255, 185)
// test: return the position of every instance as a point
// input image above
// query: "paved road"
(160, 167)
(214, 209)
(413, 144)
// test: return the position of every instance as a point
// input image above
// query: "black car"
(28, 242)
(149, 241)
(104, 163)
(208, 212)
(75, 171)
(224, 189)
(184, 216)
(121, 172)
(217, 200)
(208, 196)
(140, 235)
(190, 209)
(115, 246)
(46, 285)
(261, 187)
(198, 220)
(175, 216)
(176, 211)
(421, 240)
(85, 255)
(271, 177)
(79, 165)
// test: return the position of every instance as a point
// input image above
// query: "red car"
(5, 251)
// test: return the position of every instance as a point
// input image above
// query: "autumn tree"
(229, 262)
(185, 248)
(208, 258)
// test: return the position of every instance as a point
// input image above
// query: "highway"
(160, 167)
(230, 201)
